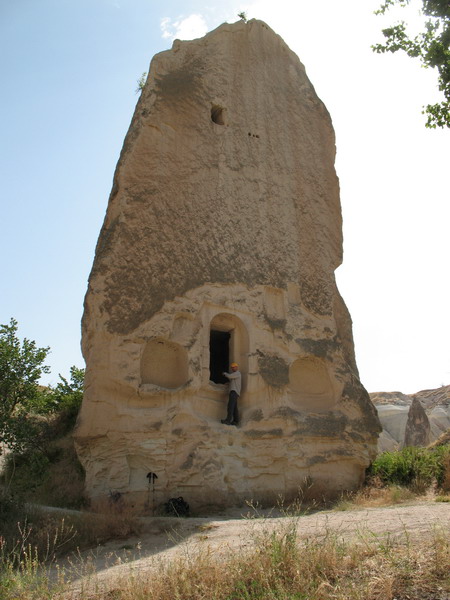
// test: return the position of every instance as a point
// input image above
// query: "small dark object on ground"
(114, 497)
(177, 506)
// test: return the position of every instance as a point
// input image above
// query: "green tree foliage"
(21, 366)
(431, 47)
(65, 399)
(30, 415)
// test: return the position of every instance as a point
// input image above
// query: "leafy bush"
(65, 399)
(21, 366)
(55, 478)
(24, 403)
(25, 472)
(10, 507)
(41, 464)
(419, 467)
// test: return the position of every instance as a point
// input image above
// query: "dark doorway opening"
(219, 355)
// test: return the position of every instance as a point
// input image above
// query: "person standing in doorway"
(234, 393)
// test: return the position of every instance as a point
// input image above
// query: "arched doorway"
(228, 342)
(219, 355)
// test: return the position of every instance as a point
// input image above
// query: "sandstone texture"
(220, 242)
(412, 420)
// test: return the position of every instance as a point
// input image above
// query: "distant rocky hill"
(412, 419)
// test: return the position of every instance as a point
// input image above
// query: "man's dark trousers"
(232, 409)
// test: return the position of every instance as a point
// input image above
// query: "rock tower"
(220, 242)
(417, 430)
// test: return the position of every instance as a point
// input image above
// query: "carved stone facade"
(220, 242)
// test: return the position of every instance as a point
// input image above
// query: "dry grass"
(375, 496)
(30, 547)
(443, 498)
(49, 535)
(279, 568)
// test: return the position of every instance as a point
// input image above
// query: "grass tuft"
(373, 496)
(442, 498)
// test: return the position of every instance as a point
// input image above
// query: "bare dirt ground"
(166, 539)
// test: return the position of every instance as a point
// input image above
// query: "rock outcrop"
(220, 242)
(417, 430)
(404, 417)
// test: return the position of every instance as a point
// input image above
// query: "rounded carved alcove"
(310, 384)
(164, 363)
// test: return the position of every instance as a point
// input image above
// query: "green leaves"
(411, 465)
(23, 403)
(438, 115)
(21, 366)
(141, 82)
(431, 47)
(384, 7)
(66, 397)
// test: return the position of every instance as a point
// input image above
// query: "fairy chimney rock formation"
(417, 431)
(220, 242)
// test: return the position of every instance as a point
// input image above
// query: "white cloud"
(187, 28)
(165, 28)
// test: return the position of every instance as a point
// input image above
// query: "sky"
(69, 77)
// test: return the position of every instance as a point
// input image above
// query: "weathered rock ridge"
(220, 242)
(412, 419)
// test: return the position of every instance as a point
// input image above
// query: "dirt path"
(165, 539)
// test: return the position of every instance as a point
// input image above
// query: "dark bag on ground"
(177, 506)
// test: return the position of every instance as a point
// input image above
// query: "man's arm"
(234, 375)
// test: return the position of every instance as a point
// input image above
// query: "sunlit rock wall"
(224, 217)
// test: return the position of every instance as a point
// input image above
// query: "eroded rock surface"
(404, 423)
(220, 242)
(417, 431)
